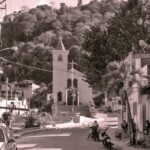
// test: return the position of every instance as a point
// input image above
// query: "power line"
(3, 5)
(2, 2)
(31, 67)
(25, 65)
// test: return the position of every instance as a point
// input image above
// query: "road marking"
(26, 145)
(45, 149)
(32, 147)
(50, 135)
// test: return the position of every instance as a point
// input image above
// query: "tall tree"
(122, 73)
(113, 40)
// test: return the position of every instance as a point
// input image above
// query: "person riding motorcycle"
(105, 139)
(94, 131)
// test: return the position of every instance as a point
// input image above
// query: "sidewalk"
(123, 144)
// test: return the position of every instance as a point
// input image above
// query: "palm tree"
(121, 73)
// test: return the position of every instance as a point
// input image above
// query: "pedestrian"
(43, 120)
(90, 133)
(134, 133)
(124, 126)
(95, 133)
(147, 126)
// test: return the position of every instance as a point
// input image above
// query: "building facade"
(15, 98)
(138, 99)
(69, 87)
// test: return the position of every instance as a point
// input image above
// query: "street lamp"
(7, 81)
(9, 48)
(73, 99)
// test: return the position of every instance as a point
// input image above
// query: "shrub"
(99, 100)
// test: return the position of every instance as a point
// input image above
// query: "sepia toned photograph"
(74, 74)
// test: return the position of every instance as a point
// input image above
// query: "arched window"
(60, 58)
(75, 83)
(59, 96)
(68, 83)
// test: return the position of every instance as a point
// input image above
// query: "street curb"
(118, 147)
(29, 132)
(19, 135)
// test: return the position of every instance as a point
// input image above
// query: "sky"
(14, 5)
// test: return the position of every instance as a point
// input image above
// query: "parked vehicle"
(106, 141)
(7, 142)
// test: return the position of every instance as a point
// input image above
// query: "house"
(14, 106)
(69, 86)
(139, 97)
(15, 97)
(25, 89)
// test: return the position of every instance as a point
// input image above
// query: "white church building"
(69, 86)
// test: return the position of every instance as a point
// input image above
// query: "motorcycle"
(93, 134)
(106, 141)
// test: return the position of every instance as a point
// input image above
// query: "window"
(60, 58)
(68, 83)
(59, 96)
(75, 83)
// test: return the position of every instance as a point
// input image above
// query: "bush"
(99, 100)
(31, 122)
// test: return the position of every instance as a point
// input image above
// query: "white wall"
(60, 69)
(85, 92)
(18, 104)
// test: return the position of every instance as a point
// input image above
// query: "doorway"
(72, 97)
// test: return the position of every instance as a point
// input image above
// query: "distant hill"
(35, 33)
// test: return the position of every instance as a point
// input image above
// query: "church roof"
(76, 72)
(60, 45)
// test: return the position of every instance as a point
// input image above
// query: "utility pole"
(72, 74)
(72, 86)
(1, 72)
(28, 96)
(7, 91)
(3, 6)
(0, 35)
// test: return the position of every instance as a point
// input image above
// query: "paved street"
(66, 139)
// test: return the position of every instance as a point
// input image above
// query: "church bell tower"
(60, 69)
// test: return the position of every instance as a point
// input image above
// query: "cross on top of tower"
(60, 45)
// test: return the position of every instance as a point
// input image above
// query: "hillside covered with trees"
(35, 33)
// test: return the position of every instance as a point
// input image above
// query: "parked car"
(7, 142)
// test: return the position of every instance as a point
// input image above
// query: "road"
(59, 139)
